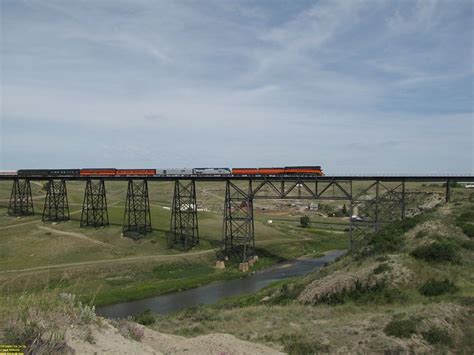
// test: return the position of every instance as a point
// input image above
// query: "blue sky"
(355, 86)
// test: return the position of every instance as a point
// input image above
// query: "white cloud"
(234, 83)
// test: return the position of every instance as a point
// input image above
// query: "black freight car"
(49, 172)
(33, 172)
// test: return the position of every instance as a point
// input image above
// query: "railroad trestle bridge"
(377, 199)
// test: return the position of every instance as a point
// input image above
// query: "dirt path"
(111, 261)
(135, 258)
(77, 235)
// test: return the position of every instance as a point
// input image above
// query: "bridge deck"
(406, 178)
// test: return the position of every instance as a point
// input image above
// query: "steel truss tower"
(56, 207)
(184, 231)
(137, 218)
(387, 205)
(238, 229)
(94, 207)
(21, 201)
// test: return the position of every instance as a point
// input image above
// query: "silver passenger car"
(178, 171)
(211, 171)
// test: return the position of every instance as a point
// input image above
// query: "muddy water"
(216, 291)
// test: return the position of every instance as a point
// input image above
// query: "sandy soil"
(107, 339)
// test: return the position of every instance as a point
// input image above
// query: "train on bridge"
(184, 172)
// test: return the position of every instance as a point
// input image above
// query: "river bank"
(216, 291)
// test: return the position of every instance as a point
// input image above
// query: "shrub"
(391, 238)
(468, 229)
(421, 234)
(401, 328)
(467, 216)
(22, 332)
(130, 330)
(304, 221)
(467, 244)
(437, 335)
(297, 345)
(287, 293)
(366, 294)
(199, 314)
(344, 210)
(31, 335)
(434, 287)
(464, 221)
(439, 251)
(382, 258)
(145, 317)
(382, 268)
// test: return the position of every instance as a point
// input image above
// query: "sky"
(357, 87)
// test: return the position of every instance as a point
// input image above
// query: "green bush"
(467, 244)
(439, 251)
(465, 220)
(145, 318)
(468, 229)
(365, 294)
(31, 335)
(391, 238)
(437, 335)
(467, 216)
(23, 332)
(421, 234)
(434, 287)
(287, 293)
(297, 345)
(382, 268)
(401, 328)
(304, 221)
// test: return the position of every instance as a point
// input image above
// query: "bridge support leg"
(402, 202)
(56, 207)
(137, 217)
(184, 231)
(94, 207)
(21, 201)
(238, 240)
(448, 191)
(377, 191)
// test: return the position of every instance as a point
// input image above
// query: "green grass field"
(99, 264)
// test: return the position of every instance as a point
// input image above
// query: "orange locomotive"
(287, 170)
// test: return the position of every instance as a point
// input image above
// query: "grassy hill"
(408, 288)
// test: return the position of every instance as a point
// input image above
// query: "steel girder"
(21, 201)
(137, 217)
(298, 188)
(238, 239)
(94, 207)
(184, 230)
(377, 204)
(56, 207)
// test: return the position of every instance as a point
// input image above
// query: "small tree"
(304, 221)
(344, 209)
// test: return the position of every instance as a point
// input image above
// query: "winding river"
(214, 292)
